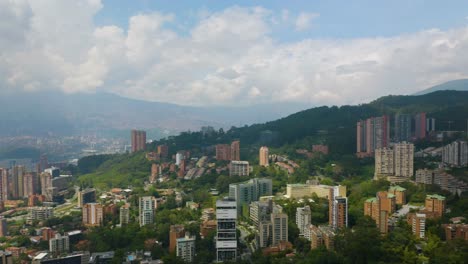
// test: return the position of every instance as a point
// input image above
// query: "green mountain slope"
(336, 126)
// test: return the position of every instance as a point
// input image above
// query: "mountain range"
(56, 113)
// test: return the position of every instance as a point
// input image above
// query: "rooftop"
(397, 188)
(435, 196)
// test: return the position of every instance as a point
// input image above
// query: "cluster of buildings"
(38, 187)
(381, 207)
(228, 152)
(441, 178)
(455, 154)
(374, 133)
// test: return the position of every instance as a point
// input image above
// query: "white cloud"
(304, 20)
(228, 57)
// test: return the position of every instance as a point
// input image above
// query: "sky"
(234, 53)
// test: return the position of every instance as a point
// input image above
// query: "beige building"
(92, 214)
(395, 164)
(384, 162)
(239, 168)
(404, 159)
(296, 191)
(263, 156)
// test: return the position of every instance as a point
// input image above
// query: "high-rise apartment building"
(59, 244)
(417, 221)
(456, 154)
(17, 181)
(279, 226)
(147, 209)
(186, 248)
(29, 184)
(93, 214)
(420, 126)
(138, 140)
(4, 184)
(402, 127)
(395, 164)
(338, 209)
(226, 237)
(435, 205)
(263, 156)
(86, 196)
(46, 185)
(124, 214)
(175, 232)
(246, 192)
(380, 208)
(239, 168)
(235, 150)
(372, 133)
(404, 159)
(303, 218)
(223, 152)
(384, 162)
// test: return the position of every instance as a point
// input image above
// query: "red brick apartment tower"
(138, 140)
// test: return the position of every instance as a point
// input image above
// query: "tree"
(360, 244)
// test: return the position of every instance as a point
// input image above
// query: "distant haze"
(43, 113)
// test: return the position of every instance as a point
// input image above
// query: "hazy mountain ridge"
(71, 114)
(455, 85)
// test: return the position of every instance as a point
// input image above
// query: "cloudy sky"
(233, 52)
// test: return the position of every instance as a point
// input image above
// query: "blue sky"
(338, 19)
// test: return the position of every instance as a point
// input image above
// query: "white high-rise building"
(179, 158)
(147, 208)
(303, 218)
(226, 238)
(456, 154)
